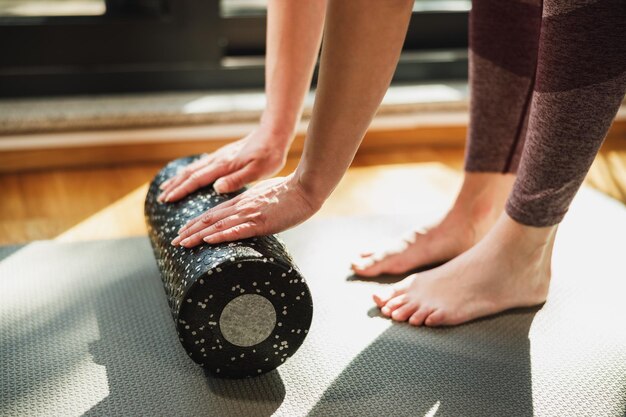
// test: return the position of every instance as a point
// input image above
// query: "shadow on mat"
(116, 317)
(393, 278)
(478, 369)
(147, 374)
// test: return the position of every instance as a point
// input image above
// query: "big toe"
(376, 264)
(366, 266)
(387, 293)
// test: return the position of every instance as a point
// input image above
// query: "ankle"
(483, 195)
(532, 244)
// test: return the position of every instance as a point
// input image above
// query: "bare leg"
(478, 205)
(581, 80)
(484, 280)
(504, 37)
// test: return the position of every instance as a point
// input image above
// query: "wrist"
(277, 131)
(313, 186)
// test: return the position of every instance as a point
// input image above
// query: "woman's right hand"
(259, 155)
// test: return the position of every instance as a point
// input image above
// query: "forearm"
(294, 32)
(362, 43)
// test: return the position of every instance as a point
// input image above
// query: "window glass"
(52, 7)
(247, 7)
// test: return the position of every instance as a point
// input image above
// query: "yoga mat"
(241, 308)
(85, 329)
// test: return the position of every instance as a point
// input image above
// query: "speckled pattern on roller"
(241, 308)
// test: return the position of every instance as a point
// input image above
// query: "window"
(102, 46)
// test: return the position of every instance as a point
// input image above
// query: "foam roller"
(241, 308)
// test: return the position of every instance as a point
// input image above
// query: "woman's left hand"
(270, 206)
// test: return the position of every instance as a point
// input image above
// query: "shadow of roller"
(241, 308)
(117, 320)
(141, 374)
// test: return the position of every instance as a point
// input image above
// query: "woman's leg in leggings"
(504, 41)
(580, 82)
(504, 36)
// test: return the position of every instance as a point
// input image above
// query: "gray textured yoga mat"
(85, 329)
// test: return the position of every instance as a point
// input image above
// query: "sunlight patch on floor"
(122, 218)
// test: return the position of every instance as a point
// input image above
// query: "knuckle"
(233, 231)
(246, 211)
(206, 218)
(260, 219)
(195, 176)
(219, 225)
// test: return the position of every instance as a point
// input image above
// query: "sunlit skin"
(346, 100)
(497, 263)
(509, 267)
(478, 205)
(293, 40)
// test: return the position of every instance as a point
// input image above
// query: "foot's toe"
(393, 304)
(404, 312)
(418, 317)
(382, 297)
(370, 265)
(436, 318)
(366, 266)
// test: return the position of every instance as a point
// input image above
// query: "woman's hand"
(270, 206)
(259, 155)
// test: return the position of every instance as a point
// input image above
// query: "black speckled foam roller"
(241, 308)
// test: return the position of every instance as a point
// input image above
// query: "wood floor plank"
(99, 203)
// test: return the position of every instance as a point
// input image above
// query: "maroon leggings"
(546, 79)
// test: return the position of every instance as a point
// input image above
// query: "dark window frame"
(188, 46)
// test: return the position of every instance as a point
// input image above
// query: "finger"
(196, 180)
(202, 222)
(175, 181)
(236, 180)
(184, 173)
(241, 231)
(204, 160)
(165, 183)
(205, 215)
(224, 223)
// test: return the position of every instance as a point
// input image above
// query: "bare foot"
(508, 268)
(477, 207)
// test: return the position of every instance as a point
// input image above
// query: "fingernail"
(217, 186)
(163, 185)
(185, 242)
(175, 240)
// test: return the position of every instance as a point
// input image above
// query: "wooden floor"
(101, 203)
(78, 204)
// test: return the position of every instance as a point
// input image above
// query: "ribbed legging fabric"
(546, 80)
